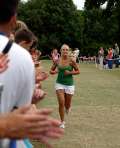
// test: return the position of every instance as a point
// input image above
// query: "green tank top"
(62, 79)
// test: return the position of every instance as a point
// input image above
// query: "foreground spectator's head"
(8, 10)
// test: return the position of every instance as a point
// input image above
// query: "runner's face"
(65, 51)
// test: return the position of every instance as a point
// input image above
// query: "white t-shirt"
(18, 80)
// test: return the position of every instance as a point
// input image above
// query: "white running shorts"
(66, 88)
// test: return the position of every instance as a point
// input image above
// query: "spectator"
(25, 37)
(20, 25)
(18, 124)
(101, 57)
(55, 55)
(116, 50)
(76, 54)
(18, 79)
(110, 58)
(116, 55)
(110, 53)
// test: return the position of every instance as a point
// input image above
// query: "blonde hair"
(64, 45)
(20, 25)
(70, 52)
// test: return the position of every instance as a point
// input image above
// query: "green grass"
(94, 121)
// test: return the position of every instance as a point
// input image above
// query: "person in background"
(66, 68)
(55, 55)
(20, 25)
(101, 57)
(116, 55)
(76, 54)
(110, 53)
(25, 38)
(116, 50)
(110, 58)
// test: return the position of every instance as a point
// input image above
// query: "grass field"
(94, 121)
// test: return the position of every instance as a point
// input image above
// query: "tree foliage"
(101, 26)
(55, 22)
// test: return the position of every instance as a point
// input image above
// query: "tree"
(101, 26)
(54, 22)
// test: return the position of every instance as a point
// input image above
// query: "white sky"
(78, 3)
(104, 5)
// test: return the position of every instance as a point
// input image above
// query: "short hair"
(8, 8)
(23, 35)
